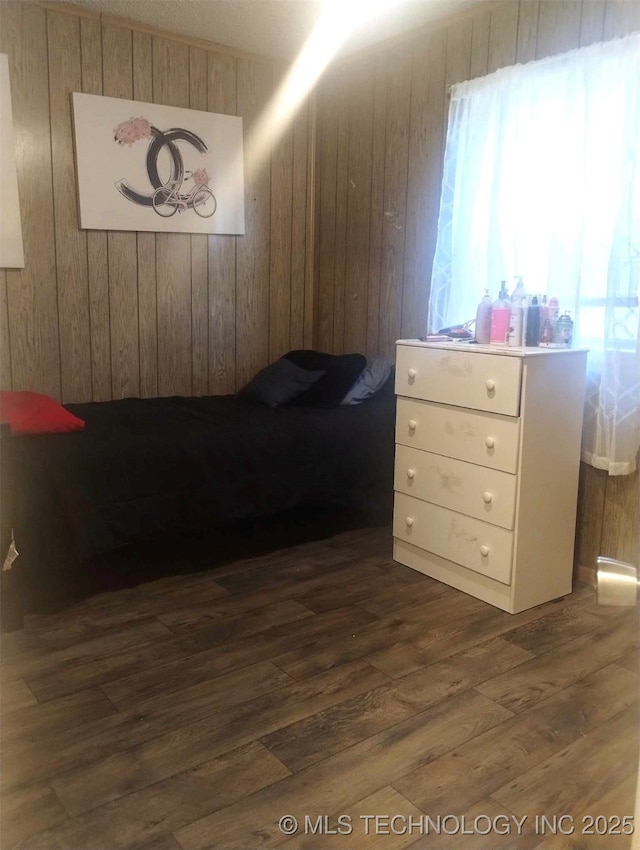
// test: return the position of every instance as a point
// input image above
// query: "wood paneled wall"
(99, 315)
(382, 125)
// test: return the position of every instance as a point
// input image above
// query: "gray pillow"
(278, 383)
(373, 378)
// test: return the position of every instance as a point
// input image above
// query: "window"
(542, 179)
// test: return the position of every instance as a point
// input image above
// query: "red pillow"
(32, 413)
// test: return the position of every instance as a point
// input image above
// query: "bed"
(167, 468)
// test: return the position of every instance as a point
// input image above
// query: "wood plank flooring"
(378, 707)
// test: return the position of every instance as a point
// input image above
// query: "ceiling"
(275, 28)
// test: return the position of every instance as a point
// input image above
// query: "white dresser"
(486, 473)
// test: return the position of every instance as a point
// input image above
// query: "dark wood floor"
(323, 680)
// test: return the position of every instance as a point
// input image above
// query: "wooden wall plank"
(31, 292)
(65, 77)
(142, 47)
(458, 50)
(198, 99)
(200, 314)
(395, 199)
(198, 81)
(415, 287)
(591, 496)
(101, 360)
(503, 39)
(123, 311)
(377, 201)
(5, 342)
(173, 270)
(452, 51)
(173, 250)
(280, 244)
(146, 242)
(342, 105)
(360, 154)
(97, 256)
(254, 87)
(621, 518)
(148, 313)
(437, 114)
(424, 184)
(621, 18)
(558, 27)
(221, 97)
(480, 35)
(592, 21)
(299, 170)
(326, 223)
(310, 290)
(527, 30)
(117, 77)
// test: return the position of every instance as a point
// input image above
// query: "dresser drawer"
(465, 379)
(464, 487)
(477, 545)
(483, 438)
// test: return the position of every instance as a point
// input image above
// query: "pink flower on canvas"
(201, 177)
(132, 131)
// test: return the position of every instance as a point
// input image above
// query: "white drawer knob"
(412, 373)
(412, 424)
(484, 551)
(486, 498)
(411, 474)
(409, 521)
(490, 384)
(489, 442)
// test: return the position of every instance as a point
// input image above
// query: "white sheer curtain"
(542, 179)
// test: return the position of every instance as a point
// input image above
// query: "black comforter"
(148, 468)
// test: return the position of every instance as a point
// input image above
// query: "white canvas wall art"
(11, 249)
(143, 166)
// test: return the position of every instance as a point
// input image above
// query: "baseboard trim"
(586, 574)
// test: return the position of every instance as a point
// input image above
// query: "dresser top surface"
(503, 350)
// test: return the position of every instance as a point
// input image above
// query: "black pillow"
(278, 383)
(341, 372)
